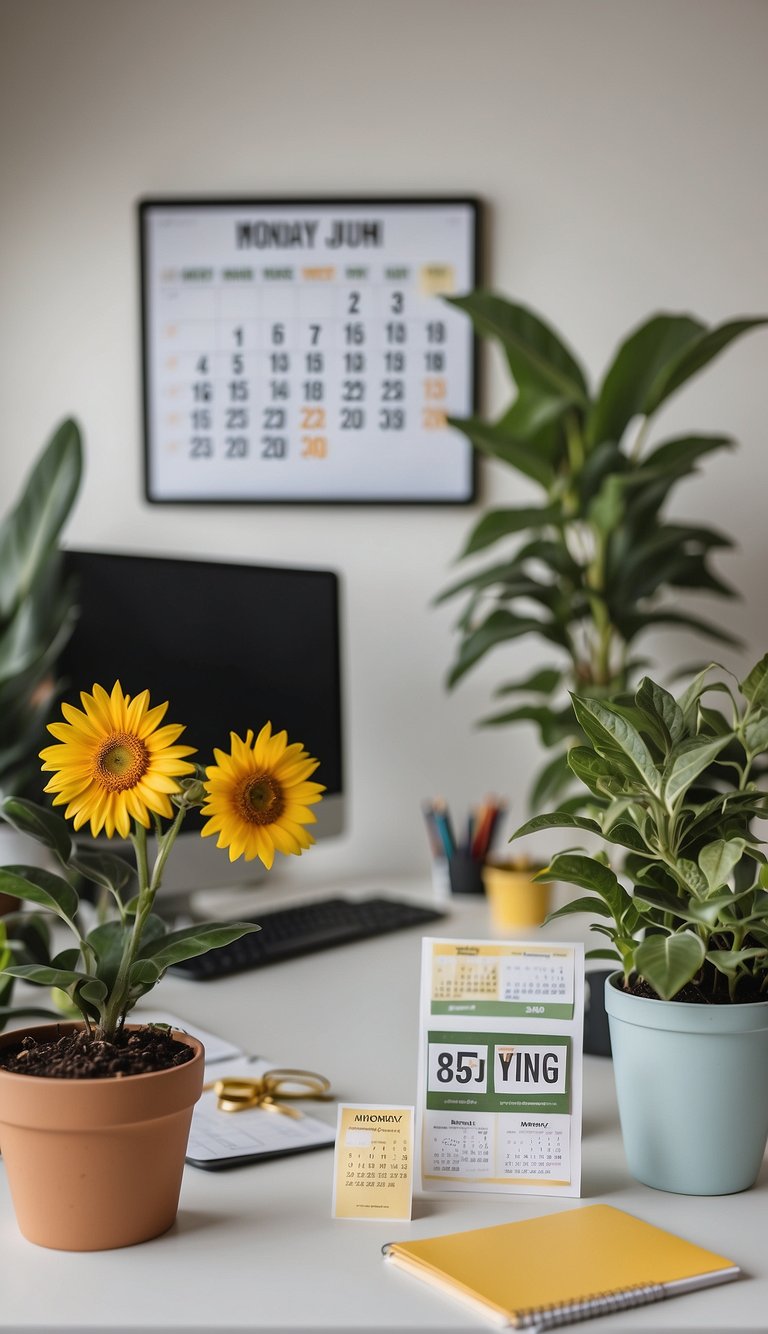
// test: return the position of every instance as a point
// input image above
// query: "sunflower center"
(121, 762)
(261, 799)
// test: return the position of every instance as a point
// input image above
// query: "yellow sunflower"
(115, 763)
(258, 796)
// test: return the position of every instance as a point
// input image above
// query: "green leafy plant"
(117, 768)
(37, 607)
(596, 561)
(675, 784)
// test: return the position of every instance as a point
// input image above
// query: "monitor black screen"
(230, 646)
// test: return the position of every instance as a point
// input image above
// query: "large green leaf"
(537, 356)
(497, 524)
(108, 941)
(586, 873)
(718, 859)
(695, 356)
(658, 702)
(635, 624)
(544, 681)
(754, 687)
(186, 943)
(669, 962)
(498, 628)
(557, 820)
(32, 528)
(501, 573)
(597, 773)
(576, 907)
(39, 823)
(610, 734)
(103, 868)
(630, 380)
(653, 362)
(497, 442)
(684, 451)
(731, 962)
(688, 760)
(554, 724)
(45, 976)
(32, 884)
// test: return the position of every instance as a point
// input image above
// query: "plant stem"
(148, 888)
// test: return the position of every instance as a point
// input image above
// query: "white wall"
(620, 146)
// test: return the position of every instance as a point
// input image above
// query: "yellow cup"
(514, 897)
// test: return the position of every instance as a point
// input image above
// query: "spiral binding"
(600, 1303)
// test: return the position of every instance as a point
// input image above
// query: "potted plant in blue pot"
(675, 786)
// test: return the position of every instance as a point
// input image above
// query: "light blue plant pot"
(692, 1087)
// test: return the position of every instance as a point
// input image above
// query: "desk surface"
(256, 1248)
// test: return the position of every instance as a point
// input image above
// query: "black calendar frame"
(145, 205)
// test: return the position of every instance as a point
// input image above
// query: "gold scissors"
(237, 1094)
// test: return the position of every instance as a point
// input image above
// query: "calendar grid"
(276, 371)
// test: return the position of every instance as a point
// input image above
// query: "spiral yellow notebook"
(543, 1272)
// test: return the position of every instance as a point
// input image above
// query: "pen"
(443, 823)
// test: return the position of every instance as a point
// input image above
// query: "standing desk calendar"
(302, 350)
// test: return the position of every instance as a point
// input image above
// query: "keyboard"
(305, 928)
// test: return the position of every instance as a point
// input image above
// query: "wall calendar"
(302, 351)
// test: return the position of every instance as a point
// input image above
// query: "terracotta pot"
(515, 899)
(96, 1163)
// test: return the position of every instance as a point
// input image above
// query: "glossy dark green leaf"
(34, 885)
(663, 899)
(696, 354)
(610, 733)
(631, 380)
(587, 873)
(634, 625)
(108, 941)
(39, 823)
(31, 530)
(66, 960)
(537, 356)
(578, 907)
(557, 820)
(498, 628)
(496, 442)
(186, 943)
(596, 773)
(103, 868)
(542, 682)
(45, 976)
(500, 573)
(498, 524)
(554, 725)
(657, 702)
(684, 451)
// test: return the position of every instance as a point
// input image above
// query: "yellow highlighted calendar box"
(437, 279)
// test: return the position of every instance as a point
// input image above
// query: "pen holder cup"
(465, 874)
(514, 897)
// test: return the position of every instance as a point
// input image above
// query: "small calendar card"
(500, 1066)
(373, 1165)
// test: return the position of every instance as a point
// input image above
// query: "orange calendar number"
(313, 419)
(314, 447)
(433, 419)
(435, 388)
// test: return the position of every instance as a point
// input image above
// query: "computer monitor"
(230, 646)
